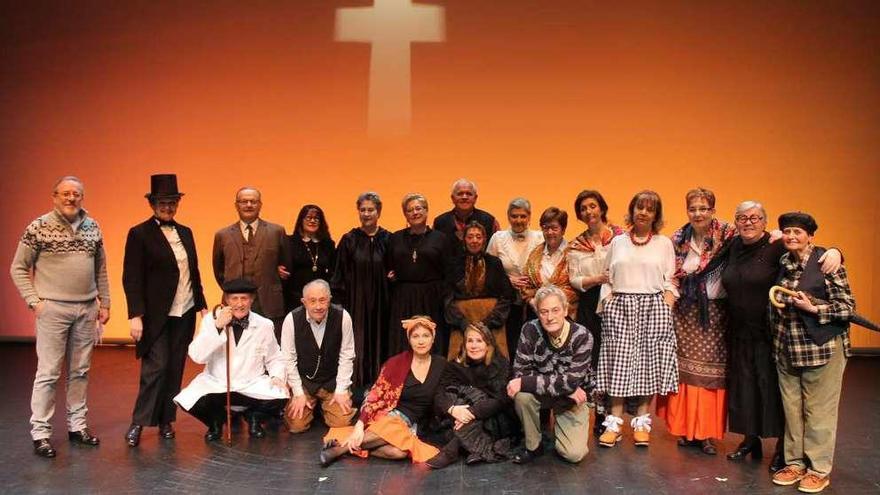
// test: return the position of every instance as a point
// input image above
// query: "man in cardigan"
(464, 211)
(255, 249)
(318, 345)
(551, 368)
(60, 269)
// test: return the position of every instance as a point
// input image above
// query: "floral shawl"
(559, 278)
(692, 287)
(586, 245)
(385, 393)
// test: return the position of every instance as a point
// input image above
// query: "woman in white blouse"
(586, 273)
(513, 246)
(637, 357)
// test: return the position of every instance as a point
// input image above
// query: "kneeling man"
(318, 345)
(550, 372)
(257, 376)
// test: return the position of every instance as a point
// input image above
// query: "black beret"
(239, 286)
(798, 219)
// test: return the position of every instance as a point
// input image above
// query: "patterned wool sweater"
(67, 265)
(549, 371)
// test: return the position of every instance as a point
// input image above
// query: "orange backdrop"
(774, 101)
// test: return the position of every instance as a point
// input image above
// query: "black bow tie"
(238, 326)
(166, 223)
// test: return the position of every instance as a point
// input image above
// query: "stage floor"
(286, 463)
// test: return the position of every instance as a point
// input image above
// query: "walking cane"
(228, 387)
(228, 378)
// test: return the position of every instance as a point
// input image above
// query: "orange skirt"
(696, 413)
(393, 430)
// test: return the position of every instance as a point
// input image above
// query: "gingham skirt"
(638, 347)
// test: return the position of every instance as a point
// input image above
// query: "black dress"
(754, 404)
(417, 398)
(421, 265)
(484, 389)
(310, 260)
(361, 286)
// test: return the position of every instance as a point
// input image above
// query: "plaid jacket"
(790, 334)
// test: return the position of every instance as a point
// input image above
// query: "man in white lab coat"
(257, 375)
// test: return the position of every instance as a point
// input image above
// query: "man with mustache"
(60, 269)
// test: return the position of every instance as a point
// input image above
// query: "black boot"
(750, 445)
(448, 455)
(255, 426)
(215, 431)
(778, 461)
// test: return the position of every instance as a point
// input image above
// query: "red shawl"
(385, 394)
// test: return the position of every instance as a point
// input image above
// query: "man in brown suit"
(255, 249)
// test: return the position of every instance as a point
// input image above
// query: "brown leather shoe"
(43, 448)
(813, 483)
(789, 475)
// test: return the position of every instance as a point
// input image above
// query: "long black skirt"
(754, 404)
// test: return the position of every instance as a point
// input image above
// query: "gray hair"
(519, 203)
(249, 188)
(413, 197)
(550, 291)
(463, 182)
(370, 196)
(66, 178)
(318, 282)
(748, 205)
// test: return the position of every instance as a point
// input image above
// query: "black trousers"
(162, 372)
(210, 409)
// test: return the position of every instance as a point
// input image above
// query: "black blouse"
(417, 397)
(309, 261)
(750, 272)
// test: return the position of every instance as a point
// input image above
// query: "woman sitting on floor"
(402, 396)
(473, 393)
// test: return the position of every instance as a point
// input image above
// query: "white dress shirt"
(183, 297)
(346, 351)
(513, 249)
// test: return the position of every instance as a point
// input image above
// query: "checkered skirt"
(638, 347)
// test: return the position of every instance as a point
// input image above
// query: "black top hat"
(163, 186)
(239, 286)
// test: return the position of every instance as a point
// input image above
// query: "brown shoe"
(609, 438)
(641, 426)
(789, 475)
(813, 483)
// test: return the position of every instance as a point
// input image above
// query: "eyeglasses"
(247, 202)
(416, 209)
(69, 195)
(312, 219)
(701, 210)
(749, 219)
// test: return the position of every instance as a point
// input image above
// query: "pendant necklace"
(415, 246)
(314, 257)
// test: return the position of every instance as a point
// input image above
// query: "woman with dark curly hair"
(312, 253)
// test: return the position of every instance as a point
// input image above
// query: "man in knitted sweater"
(60, 269)
(550, 372)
